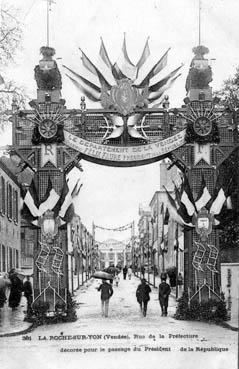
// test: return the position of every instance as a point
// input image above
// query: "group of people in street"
(11, 281)
(142, 293)
(127, 271)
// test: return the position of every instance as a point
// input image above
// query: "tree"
(10, 33)
(10, 40)
(229, 93)
(228, 97)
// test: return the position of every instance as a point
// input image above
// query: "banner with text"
(125, 155)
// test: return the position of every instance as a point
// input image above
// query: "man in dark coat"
(142, 271)
(125, 270)
(164, 292)
(142, 295)
(27, 289)
(106, 293)
(15, 290)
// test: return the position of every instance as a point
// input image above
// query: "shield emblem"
(203, 223)
(124, 97)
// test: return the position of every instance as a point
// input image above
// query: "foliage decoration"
(63, 312)
(206, 311)
(47, 52)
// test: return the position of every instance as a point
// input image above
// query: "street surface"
(123, 340)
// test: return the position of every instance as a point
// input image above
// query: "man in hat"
(142, 295)
(164, 292)
(106, 293)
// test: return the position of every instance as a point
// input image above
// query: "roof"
(8, 169)
(11, 168)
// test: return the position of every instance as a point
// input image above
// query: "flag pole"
(199, 22)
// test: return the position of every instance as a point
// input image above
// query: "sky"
(111, 196)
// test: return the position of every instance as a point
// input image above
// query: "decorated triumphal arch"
(134, 126)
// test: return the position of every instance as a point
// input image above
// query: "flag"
(85, 82)
(144, 56)
(164, 238)
(124, 64)
(226, 182)
(64, 207)
(117, 73)
(104, 55)
(153, 96)
(157, 86)
(76, 189)
(77, 192)
(187, 200)
(49, 200)
(176, 213)
(153, 71)
(30, 203)
(92, 94)
(31, 199)
(92, 68)
(172, 207)
(177, 195)
(203, 196)
(104, 65)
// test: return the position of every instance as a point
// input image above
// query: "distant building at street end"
(10, 240)
(113, 252)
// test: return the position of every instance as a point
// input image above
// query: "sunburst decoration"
(201, 123)
(47, 120)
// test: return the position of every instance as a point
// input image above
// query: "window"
(10, 258)
(3, 195)
(15, 206)
(17, 259)
(9, 201)
(3, 258)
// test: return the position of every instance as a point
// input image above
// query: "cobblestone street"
(123, 339)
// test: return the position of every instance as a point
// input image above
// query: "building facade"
(10, 241)
(113, 252)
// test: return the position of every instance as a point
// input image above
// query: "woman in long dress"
(15, 290)
(4, 283)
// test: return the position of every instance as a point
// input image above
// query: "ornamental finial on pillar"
(200, 74)
(47, 76)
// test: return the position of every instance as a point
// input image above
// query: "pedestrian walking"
(117, 279)
(106, 293)
(142, 271)
(180, 279)
(15, 289)
(164, 292)
(27, 289)
(129, 273)
(142, 295)
(125, 270)
(4, 283)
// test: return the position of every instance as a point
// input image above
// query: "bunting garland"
(118, 229)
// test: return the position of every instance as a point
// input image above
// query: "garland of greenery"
(37, 315)
(208, 311)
